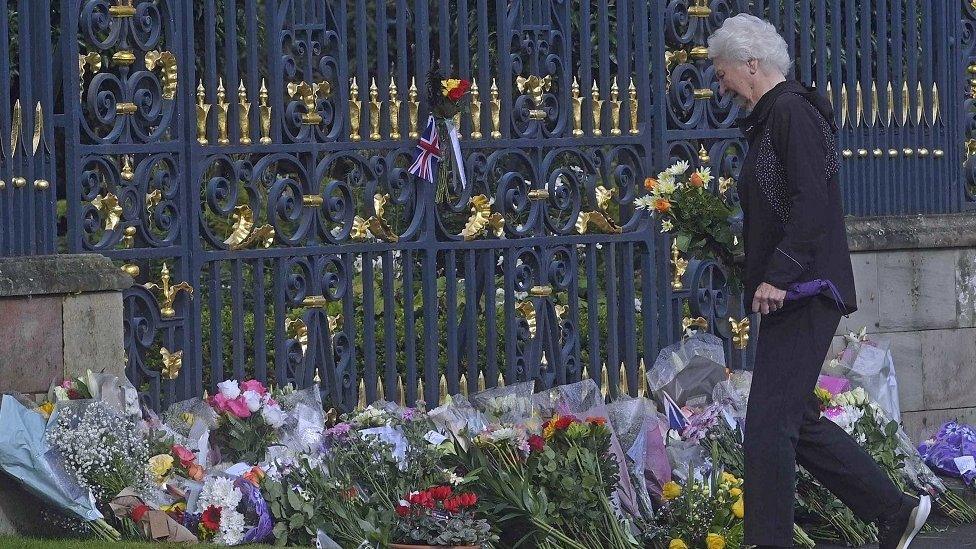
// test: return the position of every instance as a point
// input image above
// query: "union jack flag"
(428, 153)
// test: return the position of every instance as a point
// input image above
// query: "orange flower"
(195, 471)
(662, 204)
(696, 180)
(650, 184)
(254, 476)
(596, 420)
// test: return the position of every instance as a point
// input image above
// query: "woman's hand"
(768, 299)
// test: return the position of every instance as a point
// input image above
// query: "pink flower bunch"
(244, 399)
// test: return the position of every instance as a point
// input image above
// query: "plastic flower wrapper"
(26, 456)
(304, 418)
(867, 362)
(733, 392)
(638, 428)
(457, 417)
(688, 371)
(952, 451)
(506, 404)
(584, 399)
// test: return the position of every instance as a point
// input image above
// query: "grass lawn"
(13, 542)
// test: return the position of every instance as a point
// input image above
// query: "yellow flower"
(448, 85)
(735, 492)
(823, 395)
(729, 477)
(739, 508)
(671, 490)
(715, 541)
(549, 429)
(159, 465)
(176, 507)
(676, 543)
(46, 409)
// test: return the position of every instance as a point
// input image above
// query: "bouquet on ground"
(700, 217)
(231, 511)
(951, 451)
(704, 512)
(440, 516)
(249, 419)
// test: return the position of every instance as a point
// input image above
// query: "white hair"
(746, 37)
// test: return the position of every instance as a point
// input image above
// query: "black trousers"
(784, 427)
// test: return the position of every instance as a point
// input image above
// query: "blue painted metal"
(385, 318)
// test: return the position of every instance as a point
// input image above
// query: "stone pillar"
(59, 317)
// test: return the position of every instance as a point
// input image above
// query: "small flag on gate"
(428, 153)
(676, 418)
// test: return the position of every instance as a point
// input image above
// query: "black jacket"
(789, 186)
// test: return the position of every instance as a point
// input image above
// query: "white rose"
(60, 393)
(230, 389)
(273, 416)
(253, 400)
(860, 397)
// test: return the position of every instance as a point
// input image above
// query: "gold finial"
(131, 269)
(597, 109)
(475, 110)
(362, 393)
(680, 266)
(614, 109)
(891, 103)
(740, 332)
(481, 381)
(577, 110)
(264, 110)
(632, 97)
(642, 383)
(222, 107)
(380, 390)
(413, 108)
(699, 322)
(534, 87)
(394, 111)
(16, 120)
(858, 104)
(168, 293)
(874, 104)
(919, 104)
(442, 391)
(700, 9)
(843, 104)
(605, 381)
(904, 104)
(354, 111)
(127, 174)
(496, 109)
(374, 111)
(935, 103)
(245, 114)
(401, 392)
(703, 155)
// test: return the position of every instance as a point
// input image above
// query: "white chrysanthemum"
(706, 175)
(219, 492)
(665, 178)
(645, 202)
(665, 188)
(667, 226)
(679, 167)
(231, 527)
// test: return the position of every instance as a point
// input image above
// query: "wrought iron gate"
(255, 151)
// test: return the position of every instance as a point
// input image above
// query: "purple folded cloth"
(801, 290)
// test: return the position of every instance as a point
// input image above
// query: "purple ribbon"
(801, 290)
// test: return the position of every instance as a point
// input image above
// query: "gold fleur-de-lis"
(172, 363)
(168, 293)
(740, 332)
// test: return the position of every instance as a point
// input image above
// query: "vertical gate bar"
(383, 75)
(592, 307)
(943, 68)
(882, 127)
(253, 72)
(280, 277)
(850, 80)
(471, 317)
(613, 350)
(452, 331)
(510, 320)
(464, 58)
(491, 326)
(504, 70)
(650, 303)
(351, 394)
(586, 59)
(444, 38)
(362, 63)
(216, 336)
(775, 9)
(26, 161)
(7, 236)
(820, 30)
(403, 62)
(483, 66)
(623, 61)
(603, 79)
(431, 328)
(895, 163)
(790, 30)
(911, 189)
(260, 323)
(369, 326)
(237, 335)
(574, 314)
(230, 68)
(410, 337)
(629, 323)
(390, 335)
(210, 62)
(930, 187)
(866, 56)
(806, 73)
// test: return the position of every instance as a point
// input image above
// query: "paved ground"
(960, 537)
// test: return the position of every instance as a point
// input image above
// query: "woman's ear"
(753, 65)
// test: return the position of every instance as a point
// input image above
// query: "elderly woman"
(798, 275)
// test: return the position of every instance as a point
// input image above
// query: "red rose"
(402, 510)
(211, 519)
(468, 499)
(452, 505)
(138, 512)
(536, 443)
(424, 499)
(441, 493)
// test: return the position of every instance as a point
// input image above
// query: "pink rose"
(219, 402)
(238, 407)
(254, 385)
(184, 454)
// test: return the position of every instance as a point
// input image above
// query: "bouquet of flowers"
(100, 448)
(951, 451)
(445, 94)
(440, 516)
(701, 219)
(248, 420)
(231, 512)
(705, 512)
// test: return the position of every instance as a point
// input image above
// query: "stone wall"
(916, 283)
